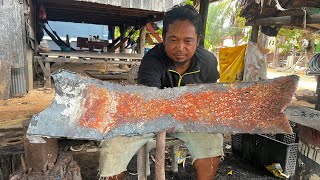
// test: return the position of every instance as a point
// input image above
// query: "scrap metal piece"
(87, 108)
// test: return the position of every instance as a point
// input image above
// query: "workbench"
(45, 59)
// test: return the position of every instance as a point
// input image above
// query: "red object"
(42, 12)
(153, 32)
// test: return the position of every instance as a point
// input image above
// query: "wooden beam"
(174, 157)
(123, 30)
(5, 78)
(160, 155)
(88, 61)
(285, 20)
(142, 40)
(93, 55)
(254, 34)
(204, 5)
(153, 32)
(142, 162)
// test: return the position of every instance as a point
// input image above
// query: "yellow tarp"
(231, 63)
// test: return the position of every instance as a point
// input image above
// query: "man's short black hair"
(184, 12)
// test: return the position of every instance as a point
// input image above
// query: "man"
(177, 61)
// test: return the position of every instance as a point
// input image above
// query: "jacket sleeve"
(150, 72)
(213, 73)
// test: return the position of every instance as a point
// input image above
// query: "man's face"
(181, 41)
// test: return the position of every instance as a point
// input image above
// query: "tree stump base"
(64, 169)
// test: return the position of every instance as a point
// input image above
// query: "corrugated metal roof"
(109, 12)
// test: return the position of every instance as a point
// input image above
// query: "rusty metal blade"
(87, 108)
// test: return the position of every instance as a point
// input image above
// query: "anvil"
(87, 108)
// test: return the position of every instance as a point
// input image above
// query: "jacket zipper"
(180, 77)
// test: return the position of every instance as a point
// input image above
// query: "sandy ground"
(15, 110)
(305, 82)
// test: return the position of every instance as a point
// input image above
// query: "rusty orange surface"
(257, 106)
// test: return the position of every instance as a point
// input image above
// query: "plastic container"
(264, 150)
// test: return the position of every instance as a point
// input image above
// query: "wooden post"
(40, 157)
(5, 79)
(142, 40)
(29, 56)
(160, 155)
(174, 153)
(47, 75)
(142, 163)
(254, 34)
(111, 30)
(204, 5)
(123, 30)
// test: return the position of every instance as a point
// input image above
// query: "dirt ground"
(240, 168)
(14, 111)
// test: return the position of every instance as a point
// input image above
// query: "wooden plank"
(5, 79)
(94, 55)
(29, 57)
(285, 20)
(42, 66)
(48, 75)
(88, 61)
(304, 116)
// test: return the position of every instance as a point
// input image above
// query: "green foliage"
(314, 10)
(135, 35)
(223, 21)
(290, 40)
(189, 2)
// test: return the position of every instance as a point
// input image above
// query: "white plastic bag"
(254, 64)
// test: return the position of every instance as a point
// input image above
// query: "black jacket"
(158, 70)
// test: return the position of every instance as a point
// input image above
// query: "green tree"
(223, 20)
(290, 39)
